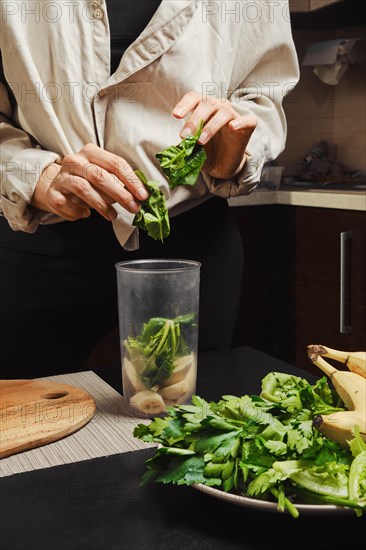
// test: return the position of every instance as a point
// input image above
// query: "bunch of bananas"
(351, 387)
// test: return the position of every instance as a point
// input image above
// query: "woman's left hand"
(225, 134)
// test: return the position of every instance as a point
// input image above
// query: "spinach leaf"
(182, 163)
(153, 215)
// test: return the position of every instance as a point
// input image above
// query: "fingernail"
(185, 132)
(142, 193)
(203, 137)
(178, 111)
(134, 206)
(235, 124)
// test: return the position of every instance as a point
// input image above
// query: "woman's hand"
(225, 134)
(90, 179)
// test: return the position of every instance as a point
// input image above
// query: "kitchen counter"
(346, 200)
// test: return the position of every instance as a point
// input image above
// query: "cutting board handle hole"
(56, 395)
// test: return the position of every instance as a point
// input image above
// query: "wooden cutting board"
(37, 412)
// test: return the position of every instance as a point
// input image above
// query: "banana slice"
(181, 391)
(148, 402)
(181, 368)
(175, 391)
(138, 361)
(131, 381)
(191, 386)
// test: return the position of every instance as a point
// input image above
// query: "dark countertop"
(98, 504)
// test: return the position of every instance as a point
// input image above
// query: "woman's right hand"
(89, 179)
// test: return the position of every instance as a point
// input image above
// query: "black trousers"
(58, 285)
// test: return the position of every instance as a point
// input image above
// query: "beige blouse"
(57, 93)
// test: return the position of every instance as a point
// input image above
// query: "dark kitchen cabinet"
(292, 281)
(315, 272)
(255, 320)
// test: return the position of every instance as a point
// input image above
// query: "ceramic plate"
(304, 509)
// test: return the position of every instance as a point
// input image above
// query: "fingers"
(72, 198)
(94, 179)
(67, 207)
(188, 102)
(245, 123)
(225, 134)
(114, 164)
(219, 120)
(216, 113)
(106, 184)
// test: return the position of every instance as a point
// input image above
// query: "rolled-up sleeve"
(22, 162)
(261, 93)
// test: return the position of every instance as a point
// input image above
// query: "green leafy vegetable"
(182, 163)
(263, 446)
(153, 215)
(159, 345)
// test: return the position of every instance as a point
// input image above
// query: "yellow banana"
(340, 426)
(351, 388)
(355, 360)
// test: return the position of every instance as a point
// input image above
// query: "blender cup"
(158, 306)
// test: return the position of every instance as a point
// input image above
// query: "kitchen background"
(300, 285)
(318, 111)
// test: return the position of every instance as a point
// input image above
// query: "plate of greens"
(262, 451)
(268, 506)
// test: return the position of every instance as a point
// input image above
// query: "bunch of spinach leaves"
(160, 343)
(181, 164)
(153, 215)
(260, 446)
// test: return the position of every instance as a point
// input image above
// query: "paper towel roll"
(330, 58)
(331, 74)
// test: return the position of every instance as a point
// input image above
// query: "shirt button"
(98, 14)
